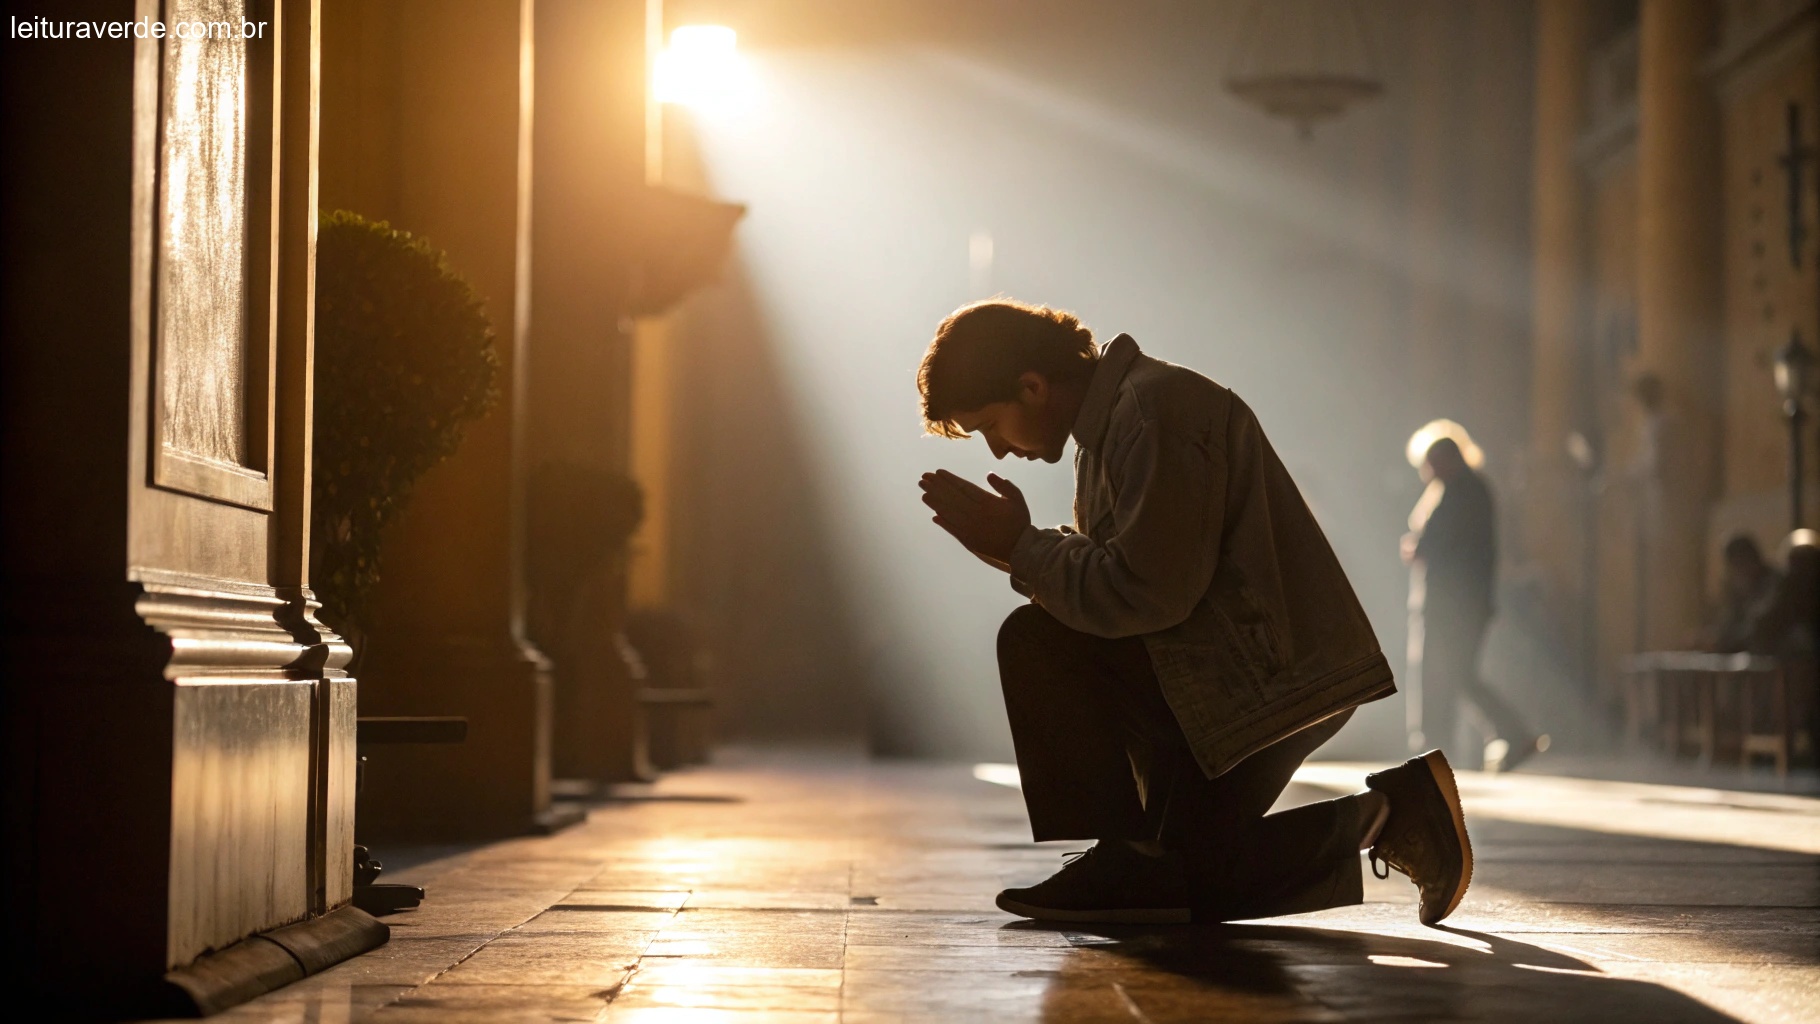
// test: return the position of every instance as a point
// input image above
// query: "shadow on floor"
(622, 797)
(1269, 973)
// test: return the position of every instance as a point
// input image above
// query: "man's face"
(1025, 426)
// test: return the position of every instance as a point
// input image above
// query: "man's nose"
(998, 450)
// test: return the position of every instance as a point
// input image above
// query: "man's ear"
(1033, 388)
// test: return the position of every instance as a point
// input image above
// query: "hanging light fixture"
(1304, 61)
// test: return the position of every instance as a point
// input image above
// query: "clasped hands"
(985, 523)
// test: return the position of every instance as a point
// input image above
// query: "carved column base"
(596, 702)
(181, 759)
(271, 960)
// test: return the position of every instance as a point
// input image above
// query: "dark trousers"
(1102, 757)
(1446, 671)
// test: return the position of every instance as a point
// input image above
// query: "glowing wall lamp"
(702, 69)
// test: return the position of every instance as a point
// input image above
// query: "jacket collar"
(1096, 408)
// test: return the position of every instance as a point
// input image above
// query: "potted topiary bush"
(578, 522)
(405, 360)
(579, 518)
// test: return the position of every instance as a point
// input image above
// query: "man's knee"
(1028, 628)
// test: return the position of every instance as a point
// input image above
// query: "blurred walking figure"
(1452, 551)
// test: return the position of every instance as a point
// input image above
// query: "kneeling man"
(1189, 641)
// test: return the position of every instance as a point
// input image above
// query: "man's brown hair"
(981, 350)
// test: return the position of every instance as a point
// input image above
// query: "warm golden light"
(702, 69)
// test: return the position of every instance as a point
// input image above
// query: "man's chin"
(1051, 457)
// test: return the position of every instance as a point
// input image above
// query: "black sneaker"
(1108, 884)
(1425, 835)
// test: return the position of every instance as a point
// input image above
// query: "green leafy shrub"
(404, 362)
(582, 515)
(579, 517)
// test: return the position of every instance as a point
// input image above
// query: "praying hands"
(985, 523)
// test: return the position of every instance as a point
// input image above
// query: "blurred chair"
(1712, 705)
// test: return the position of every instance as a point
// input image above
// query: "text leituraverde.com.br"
(144, 28)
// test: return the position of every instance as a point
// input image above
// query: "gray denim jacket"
(1189, 532)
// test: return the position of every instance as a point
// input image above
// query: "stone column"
(427, 124)
(176, 731)
(653, 428)
(1678, 302)
(1552, 517)
(589, 167)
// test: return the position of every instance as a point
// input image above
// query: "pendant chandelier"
(1304, 61)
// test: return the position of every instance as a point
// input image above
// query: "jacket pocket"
(1253, 639)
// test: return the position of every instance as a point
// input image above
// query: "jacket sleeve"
(1157, 560)
(1436, 538)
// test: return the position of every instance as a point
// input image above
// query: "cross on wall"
(1794, 161)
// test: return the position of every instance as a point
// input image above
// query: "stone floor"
(797, 887)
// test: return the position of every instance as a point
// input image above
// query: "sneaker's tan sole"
(1120, 915)
(1443, 776)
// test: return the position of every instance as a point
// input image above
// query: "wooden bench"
(1710, 705)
